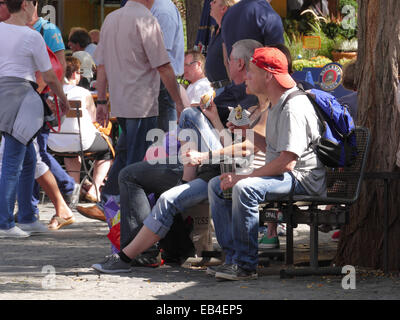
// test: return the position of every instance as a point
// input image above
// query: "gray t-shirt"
(292, 128)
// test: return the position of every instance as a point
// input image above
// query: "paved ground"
(57, 266)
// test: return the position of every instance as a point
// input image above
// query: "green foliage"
(315, 62)
(327, 44)
(295, 46)
(343, 3)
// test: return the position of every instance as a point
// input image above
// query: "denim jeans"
(205, 135)
(236, 221)
(131, 147)
(167, 114)
(64, 181)
(175, 200)
(136, 181)
(17, 178)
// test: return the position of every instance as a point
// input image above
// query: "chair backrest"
(75, 110)
(345, 183)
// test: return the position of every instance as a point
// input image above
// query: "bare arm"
(284, 163)
(52, 81)
(91, 107)
(168, 78)
(61, 57)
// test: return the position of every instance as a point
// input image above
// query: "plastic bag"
(113, 217)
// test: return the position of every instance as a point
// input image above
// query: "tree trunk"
(361, 241)
(193, 15)
(333, 6)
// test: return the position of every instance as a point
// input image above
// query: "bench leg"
(314, 246)
(289, 244)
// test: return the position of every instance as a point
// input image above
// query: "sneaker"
(14, 232)
(335, 236)
(212, 270)
(268, 243)
(281, 229)
(148, 259)
(113, 264)
(34, 227)
(235, 272)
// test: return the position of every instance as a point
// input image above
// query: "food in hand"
(206, 99)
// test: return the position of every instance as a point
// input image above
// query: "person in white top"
(23, 52)
(92, 139)
(194, 73)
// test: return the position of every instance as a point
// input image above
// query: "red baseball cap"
(274, 61)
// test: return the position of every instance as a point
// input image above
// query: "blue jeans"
(236, 221)
(136, 181)
(17, 178)
(167, 114)
(64, 181)
(131, 147)
(206, 138)
(175, 200)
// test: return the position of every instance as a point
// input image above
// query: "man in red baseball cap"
(275, 62)
(291, 127)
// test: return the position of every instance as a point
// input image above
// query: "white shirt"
(198, 89)
(23, 52)
(70, 142)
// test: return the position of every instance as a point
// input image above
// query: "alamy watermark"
(349, 21)
(49, 280)
(190, 139)
(349, 280)
(49, 14)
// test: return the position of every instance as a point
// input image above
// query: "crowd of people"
(245, 75)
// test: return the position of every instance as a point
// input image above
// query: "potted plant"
(345, 48)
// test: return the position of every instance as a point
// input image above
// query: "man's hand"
(211, 112)
(229, 179)
(102, 115)
(232, 128)
(194, 158)
(64, 107)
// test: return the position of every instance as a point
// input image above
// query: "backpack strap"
(41, 28)
(292, 95)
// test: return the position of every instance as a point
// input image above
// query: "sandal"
(61, 222)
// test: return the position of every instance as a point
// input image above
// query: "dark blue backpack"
(337, 146)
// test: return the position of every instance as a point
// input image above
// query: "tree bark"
(194, 10)
(361, 241)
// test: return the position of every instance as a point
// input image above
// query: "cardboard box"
(202, 227)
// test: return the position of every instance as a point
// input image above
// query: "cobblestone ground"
(57, 266)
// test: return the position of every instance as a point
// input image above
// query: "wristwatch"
(102, 101)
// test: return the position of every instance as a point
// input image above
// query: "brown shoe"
(93, 212)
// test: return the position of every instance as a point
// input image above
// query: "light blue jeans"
(204, 133)
(184, 196)
(17, 180)
(175, 200)
(236, 221)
